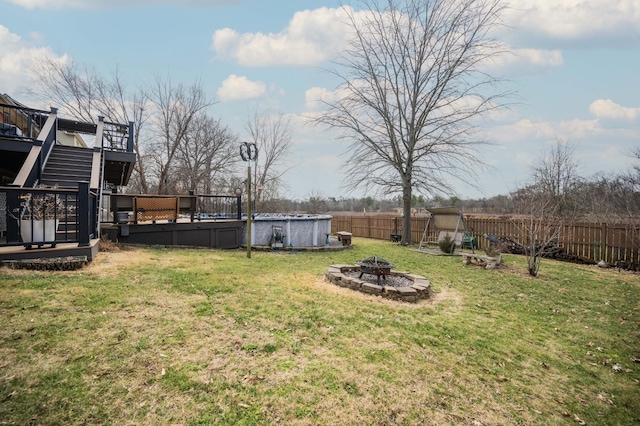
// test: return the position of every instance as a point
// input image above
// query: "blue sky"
(575, 67)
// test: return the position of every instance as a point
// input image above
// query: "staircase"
(66, 166)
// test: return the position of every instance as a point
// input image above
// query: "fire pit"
(402, 286)
(375, 265)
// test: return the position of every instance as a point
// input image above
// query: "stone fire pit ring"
(419, 288)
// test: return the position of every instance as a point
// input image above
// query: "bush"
(446, 244)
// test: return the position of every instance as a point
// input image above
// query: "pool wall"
(300, 230)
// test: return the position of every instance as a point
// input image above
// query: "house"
(63, 159)
(77, 167)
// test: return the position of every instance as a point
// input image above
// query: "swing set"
(448, 221)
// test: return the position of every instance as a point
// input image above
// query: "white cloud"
(314, 97)
(316, 36)
(520, 143)
(516, 62)
(606, 108)
(312, 36)
(521, 130)
(537, 57)
(16, 59)
(526, 129)
(99, 4)
(240, 88)
(573, 22)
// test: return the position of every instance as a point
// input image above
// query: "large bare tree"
(176, 108)
(271, 132)
(414, 85)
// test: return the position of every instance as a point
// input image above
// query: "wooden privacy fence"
(589, 241)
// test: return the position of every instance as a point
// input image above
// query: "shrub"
(446, 244)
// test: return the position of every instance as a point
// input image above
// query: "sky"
(574, 65)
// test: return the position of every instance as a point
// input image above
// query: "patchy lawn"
(150, 336)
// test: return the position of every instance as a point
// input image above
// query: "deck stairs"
(65, 167)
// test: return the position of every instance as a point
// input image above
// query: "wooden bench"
(345, 237)
(488, 261)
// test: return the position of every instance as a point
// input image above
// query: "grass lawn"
(180, 336)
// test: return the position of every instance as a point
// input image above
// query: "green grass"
(197, 337)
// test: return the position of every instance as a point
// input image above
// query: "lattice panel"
(151, 208)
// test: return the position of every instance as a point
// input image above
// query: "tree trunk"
(406, 215)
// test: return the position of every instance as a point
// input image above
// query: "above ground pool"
(294, 230)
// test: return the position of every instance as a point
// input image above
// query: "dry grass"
(209, 337)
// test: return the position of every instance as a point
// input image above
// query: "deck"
(219, 233)
(222, 234)
(145, 220)
(60, 250)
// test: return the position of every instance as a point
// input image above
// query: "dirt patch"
(106, 263)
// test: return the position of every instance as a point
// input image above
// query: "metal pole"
(248, 152)
(249, 211)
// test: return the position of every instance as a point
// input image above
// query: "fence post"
(604, 245)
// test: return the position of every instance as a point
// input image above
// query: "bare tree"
(548, 202)
(141, 114)
(208, 155)
(413, 88)
(628, 196)
(73, 89)
(316, 203)
(557, 176)
(83, 94)
(272, 135)
(176, 108)
(169, 124)
(535, 213)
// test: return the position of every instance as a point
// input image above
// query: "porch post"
(13, 215)
(130, 138)
(83, 214)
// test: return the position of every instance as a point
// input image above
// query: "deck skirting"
(225, 234)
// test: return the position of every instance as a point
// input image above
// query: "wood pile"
(550, 250)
